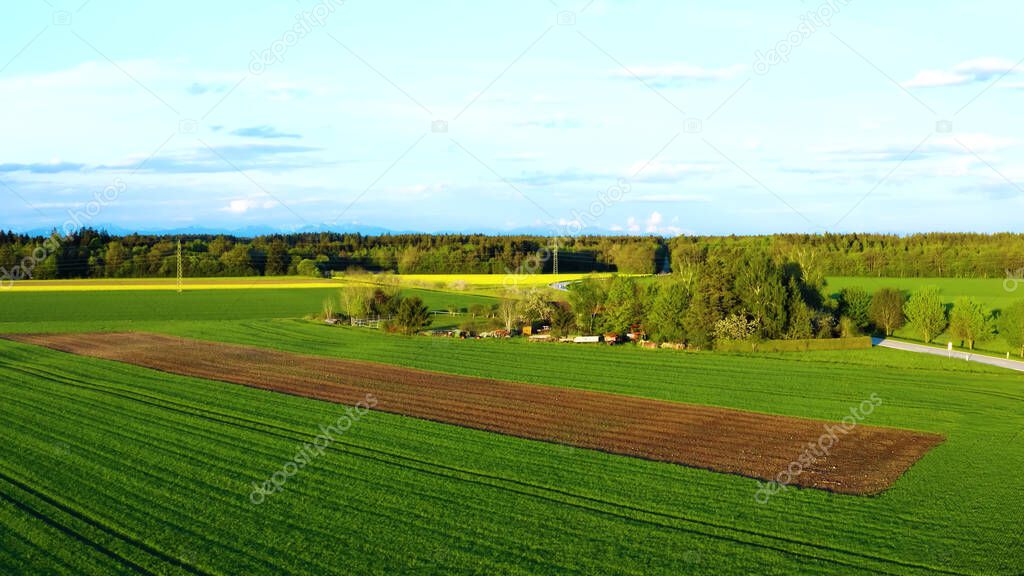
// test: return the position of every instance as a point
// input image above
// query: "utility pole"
(555, 266)
(179, 266)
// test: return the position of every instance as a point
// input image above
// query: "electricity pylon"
(179, 266)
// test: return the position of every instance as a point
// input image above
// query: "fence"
(370, 321)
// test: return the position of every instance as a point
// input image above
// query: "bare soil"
(864, 460)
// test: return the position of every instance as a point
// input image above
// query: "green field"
(72, 310)
(989, 291)
(992, 293)
(109, 468)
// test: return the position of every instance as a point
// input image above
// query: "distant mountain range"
(366, 230)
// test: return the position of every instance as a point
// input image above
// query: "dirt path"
(862, 460)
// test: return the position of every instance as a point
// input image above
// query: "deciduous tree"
(855, 304)
(623, 307)
(762, 291)
(887, 310)
(970, 321)
(535, 307)
(665, 318)
(277, 259)
(735, 327)
(510, 312)
(587, 299)
(925, 312)
(563, 321)
(1011, 326)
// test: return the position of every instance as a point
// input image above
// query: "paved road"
(1001, 362)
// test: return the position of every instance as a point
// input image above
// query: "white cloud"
(653, 224)
(653, 221)
(977, 142)
(557, 120)
(668, 171)
(679, 73)
(969, 72)
(520, 156)
(937, 146)
(243, 205)
(669, 197)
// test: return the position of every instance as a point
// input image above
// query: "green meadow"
(994, 293)
(108, 468)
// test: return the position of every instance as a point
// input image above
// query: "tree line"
(939, 255)
(760, 299)
(969, 322)
(725, 299)
(89, 253)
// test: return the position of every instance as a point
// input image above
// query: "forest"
(89, 253)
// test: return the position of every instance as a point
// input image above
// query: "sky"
(557, 116)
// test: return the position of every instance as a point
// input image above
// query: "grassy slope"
(991, 292)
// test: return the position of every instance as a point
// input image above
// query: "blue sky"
(568, 116)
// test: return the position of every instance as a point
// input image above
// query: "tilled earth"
(863, 460)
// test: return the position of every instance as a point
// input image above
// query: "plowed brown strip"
(865, 460)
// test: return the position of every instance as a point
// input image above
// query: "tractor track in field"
(71, 533)
(96, 524)
(592, 504)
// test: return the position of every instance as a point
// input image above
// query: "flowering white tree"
(735, 327)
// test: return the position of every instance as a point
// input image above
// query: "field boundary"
(867, 460)
(806, 345)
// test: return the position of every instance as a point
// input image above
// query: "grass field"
(484, 284)
(113, 284)
(440, 281)
(492, 280)
(109, 468)
(72, 308)
(991, 292)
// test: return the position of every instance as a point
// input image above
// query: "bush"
(809, 345)
(412, 316)
(329, 309)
